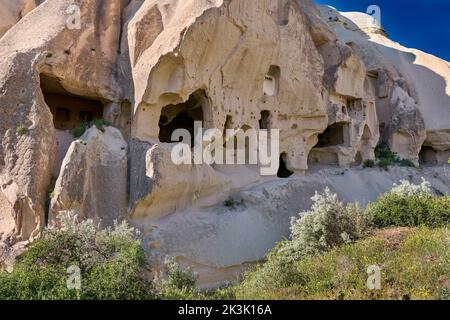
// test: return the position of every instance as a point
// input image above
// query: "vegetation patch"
(386, 158)
(332, 247)
(416, 267)
(80, 129)
(330, 253)
(110, 264)
(407, 205)
(21, 130)
(369, 164)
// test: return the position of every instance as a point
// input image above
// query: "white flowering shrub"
(410, 205)
(407, 189)
(327, 224)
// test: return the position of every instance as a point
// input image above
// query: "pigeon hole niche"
(69, 111)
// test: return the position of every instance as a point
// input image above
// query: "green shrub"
(277, 272)
(101, 124)
(385, 163)
(230, 203)
(409, 205)
(369, 164)
(384, 154)
(22, 130)
(177, 277)
(111, 264)
(405, 163)
(414, 265)
(80, 129)
(327, 224)
(385, 158)
(176, 283)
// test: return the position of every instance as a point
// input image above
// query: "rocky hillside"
(91, 92)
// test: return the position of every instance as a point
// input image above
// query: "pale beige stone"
(11, 11)
(412, 87)
(93, 178)
(333, 84)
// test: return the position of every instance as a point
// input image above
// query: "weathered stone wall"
(333, 84)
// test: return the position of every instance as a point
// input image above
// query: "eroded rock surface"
(11, 11)
(41, 57)
(332, 83)
(412, 92)
(93, 178)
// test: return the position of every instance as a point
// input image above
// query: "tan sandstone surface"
(332, 83)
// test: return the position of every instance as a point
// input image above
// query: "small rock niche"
(272, 81)
(283, 171)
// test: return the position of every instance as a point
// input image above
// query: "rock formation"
(333, 84)
(93, 179)
(11, 11)
(412, 97)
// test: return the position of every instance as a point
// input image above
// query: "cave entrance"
(427, 156)
(283, 171)
(182, 116)
(68, 110)
(335, 135)
(325, 157)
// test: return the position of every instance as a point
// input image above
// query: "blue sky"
(420, 24)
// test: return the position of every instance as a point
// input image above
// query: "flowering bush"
(327, 224)
(111, 264)
(409, 205)
(407, 189)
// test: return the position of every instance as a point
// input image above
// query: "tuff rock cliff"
(332, 83)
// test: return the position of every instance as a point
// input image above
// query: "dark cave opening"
(264, 122)
(283, 171)
(181, 116)
(427, 156)
(334, 135)
(68, 110)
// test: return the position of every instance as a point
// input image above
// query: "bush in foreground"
(328, 224)
(413, 262)
(321, 260)
(177, 283)
(111, 264)
(408, 205)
